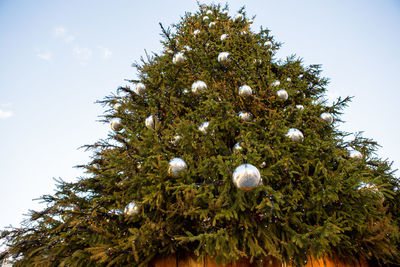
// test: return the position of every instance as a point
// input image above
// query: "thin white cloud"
(82, 53)
(6, 105)
(47, 55)
(62, 32)
(105, 52)
(5, 114)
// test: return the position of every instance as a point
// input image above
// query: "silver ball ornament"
(176, 165)
(246, 177)
(196, 32)
(268, 44)
(186, 48)
(282, 94)
(211, 25)
(263, 164)
(179, 58)
(224, 37)
(116, 125)
(275, 83)
(176, 139)
(327, 117)
(300, 107)
(185, 91)
(354, 154)
(237, 148)
(203, 127)
(150, 122)
(295, 135)
(209, 12)
(245, 90)
(245, 116)
(224, 57)
(238, 17)
(199, 86)
(205, 18)
(288, 79)
(131, 209)
(257, 61)
(140, 88)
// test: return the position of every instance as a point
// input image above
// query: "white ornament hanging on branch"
(203, 127)
(131, 209)
(245, 90)
(295, 135)
(140, 88)
(224, 37)
(196, 32)
(300, 107)
(237, 148)
(179, 58)
(327, 117)
(282, 94)
(211, 25)
(246, 177)
(205, 18)
(150, 122)
(224, 57)
(238, 17)
(176, 165)
(116, 125)
(354, 154)
(275, 83)
(245, 116)
(209, 12)
(199, 86)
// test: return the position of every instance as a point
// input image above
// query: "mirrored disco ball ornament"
(245, 90)
(140, 88)
(209, 12)
(211, 25)
(116, 125)
(149, 122)
(246, 177)
(354, 154)
(179, 58)
(224, 37)
(223, 57)
(238, 17)
(300, 107)
(203, 127)
(199, 86)
(282, 94)
(268, 44)
(245, 116)
(176, 165)
(196, 32)
(237, 148)
(327, 117)
(275, 83)
(295, 135)
(131, 209)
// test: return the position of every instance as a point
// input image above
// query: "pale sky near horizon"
(58, 57)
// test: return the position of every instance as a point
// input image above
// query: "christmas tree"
(219, 149)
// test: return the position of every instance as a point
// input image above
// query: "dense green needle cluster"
(315, 198)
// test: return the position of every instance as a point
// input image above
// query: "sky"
(58, 57)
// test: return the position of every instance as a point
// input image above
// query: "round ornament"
(185, 91)
(246, 177)
(116, 125)
(238, 17)
(327, 117)
(196, 32)
(237, 148)
(205, 18)
(258, 61)
(96, 166)
(203, 127)
(131, 209)
(224, 37)
(263, 164)
(211, 25)
(176, 165)
(245, 116)
(300, 107)
(354, 154)
(224, 57)
(268, 44)
(150, 121)
(117, 106)
(275, 83)
(140, 88)
(245, 90)
(199, 86)
(209, 12)
(176, 140)
(282, 94)
(288, 79)
(295, 135)
(179, 58)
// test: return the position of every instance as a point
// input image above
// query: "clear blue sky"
(58, 57)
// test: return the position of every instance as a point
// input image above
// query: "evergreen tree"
(179, 172)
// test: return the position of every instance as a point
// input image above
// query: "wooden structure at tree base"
(192, 261)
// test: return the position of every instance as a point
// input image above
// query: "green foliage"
(315, 199)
